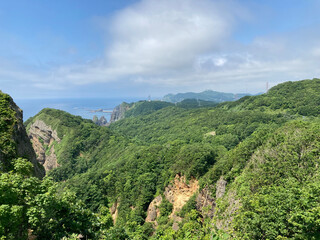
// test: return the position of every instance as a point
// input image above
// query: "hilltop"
(31, 207)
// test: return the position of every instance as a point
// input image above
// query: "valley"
(247, 169)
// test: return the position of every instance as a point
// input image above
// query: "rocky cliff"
(177, 193)
(119, 112)
(14, 140)
(43, 139)
(101, 122)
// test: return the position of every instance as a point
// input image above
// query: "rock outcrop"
(114, 211)
(178, 193)
(43, 139)
(205, 202)
(153, 210)
(119, 112)
(19, 135)
(221, 187)
(101, 122)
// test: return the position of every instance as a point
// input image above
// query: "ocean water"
(77, 106)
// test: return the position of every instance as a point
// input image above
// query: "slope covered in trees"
(30, 206)
(247, 169)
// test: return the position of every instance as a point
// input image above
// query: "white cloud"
(155, 36)
(157, 40)
(187, 44)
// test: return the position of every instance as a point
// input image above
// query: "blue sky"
(98, 48)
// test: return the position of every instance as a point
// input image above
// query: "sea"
(86, 108)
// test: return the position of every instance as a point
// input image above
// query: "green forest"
(247, 169)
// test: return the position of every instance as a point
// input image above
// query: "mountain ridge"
(207, 95)
(247, 169)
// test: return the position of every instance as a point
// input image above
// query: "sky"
(130, 48)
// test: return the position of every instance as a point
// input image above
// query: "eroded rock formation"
(221, 187)
(205, 202)
(114, 211)
(119, 112)
(178, 193)
(101, 122)
(153, 210)
(43, 138)
(19, 135)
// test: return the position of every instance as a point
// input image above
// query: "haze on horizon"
(54, 49)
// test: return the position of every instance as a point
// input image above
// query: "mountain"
(301, 97)
(247, 169)
(14, 142)
(31, 207)
(137, 108)
(207, 95)
(125, 110)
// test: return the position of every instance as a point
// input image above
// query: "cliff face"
(43, 139)
(100, 122)
(178, 193)
(119, 112)
(14, 135)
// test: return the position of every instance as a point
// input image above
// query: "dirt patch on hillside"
(180, 192)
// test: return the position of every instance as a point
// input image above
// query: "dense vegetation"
(266, 149)
(7, 122)
(31, 207)
(291, 97)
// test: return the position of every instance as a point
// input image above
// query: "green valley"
(247, 169)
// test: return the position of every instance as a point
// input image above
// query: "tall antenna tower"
(149, 98)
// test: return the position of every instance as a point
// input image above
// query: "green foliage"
(165, 207)
(279, 188)
(189, 206)
(195, 103)
(146, 107)
(268, 158)
(8, 120)
(28, 203)
(103, 167)
(195, 159)
(301, 97)
(192, 227)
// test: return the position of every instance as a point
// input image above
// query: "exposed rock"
(153, 210)
(205, 203)
(224, 221)
(221, 187)
(114, 212)
(212, 133)
(23, 145)
(119, 112)
(101, 122)
(176, 220)
(180, 192)
(43, 139)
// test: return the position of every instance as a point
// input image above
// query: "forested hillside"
(239, 170)
(32, 207)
